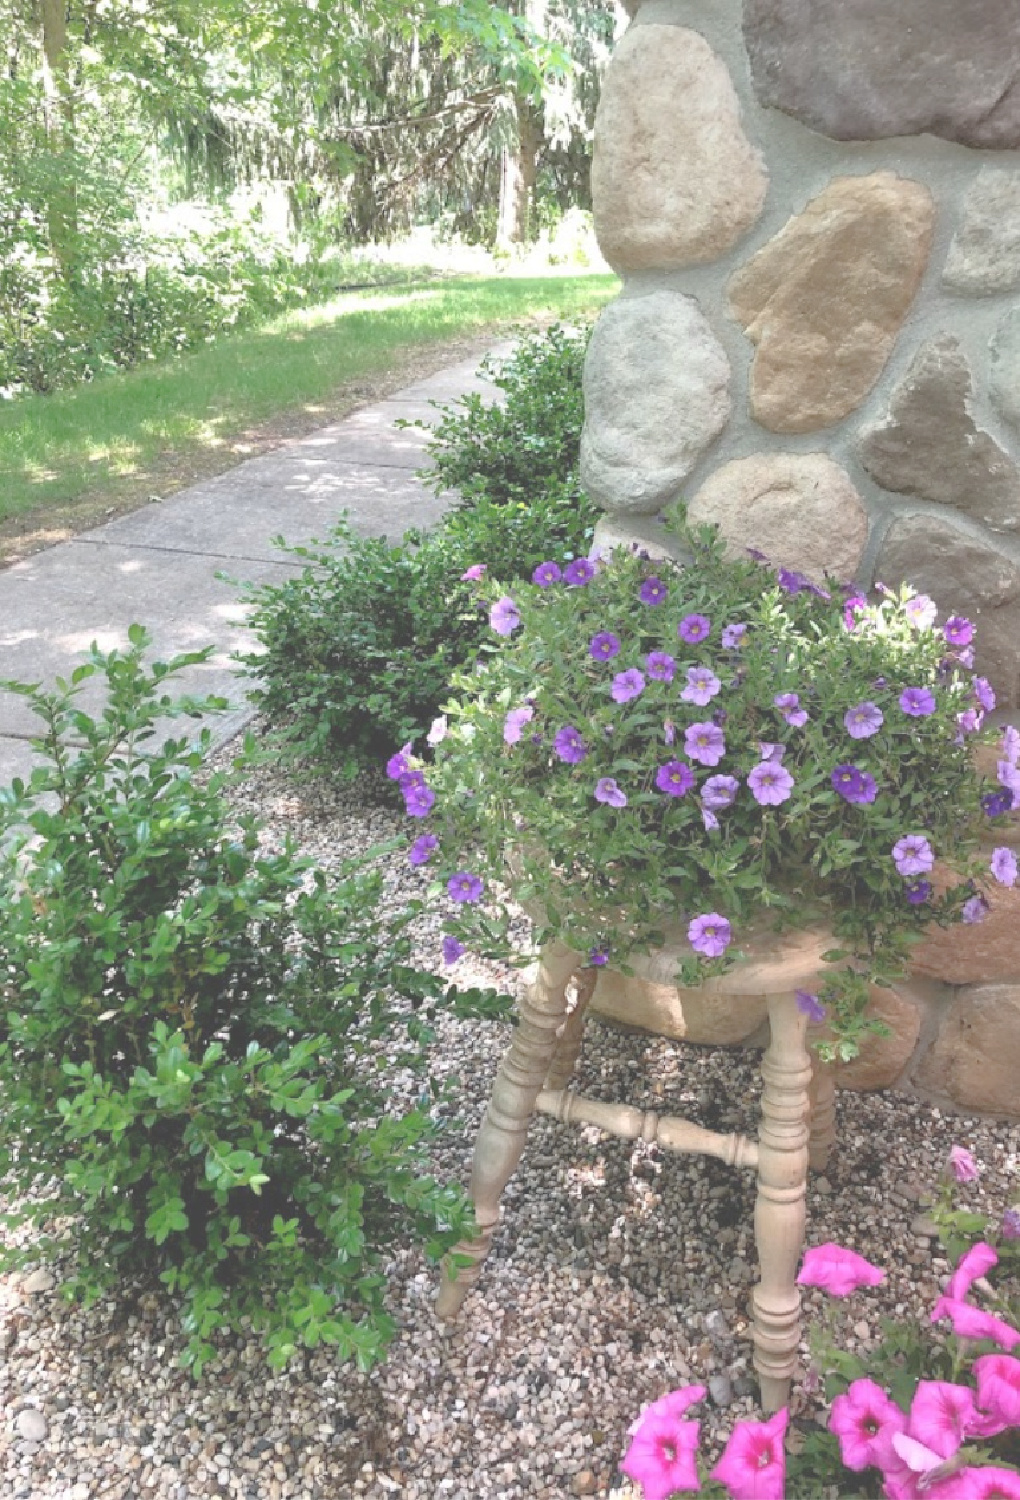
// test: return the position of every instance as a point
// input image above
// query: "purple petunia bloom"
(702, 686)
(853, 784)
(791, 582)
(452, 950)
(709, 935)
(411, 780)
(419, 801)
(694, 628)
(465, 887)
(853, 607)
(1004, 866)
(789, 706)
(608, 792)
(863, 720)
(965, 656)
(675, 778)
(754, 553)
(921, 612)
(912, 855)
(732, 636)
(705, 743)
(422, 850)
(653, 591)
(984, 693)
(398, 765)
(604, 646)
(660, 666)
(627, 685)
(810, 1006)
(958, 631)
(1011, 745)
(1009, 777)
(918, 702)
(504, 616)
(546, 574)
(770, 751)
(969, 722)
(918, 892)
(709, 821)
(669, 735)
(974, 910)
(569, 745)
(475, 573)
(1011, 1224)
(579, 572)
(513, 724)
(770, 783)
(997, 803)
(598, 958)
(719, 792)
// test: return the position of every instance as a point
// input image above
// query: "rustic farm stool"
(797, 1123)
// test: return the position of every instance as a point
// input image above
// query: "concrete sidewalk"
(158, 565)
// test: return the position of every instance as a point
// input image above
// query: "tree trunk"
(62, 215)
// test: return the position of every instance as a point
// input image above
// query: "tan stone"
(882, 1059)
(675, 181)
(976, 1056)
(824, 300)
(981, 951)
(800, 509)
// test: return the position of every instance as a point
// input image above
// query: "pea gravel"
(618, 1273)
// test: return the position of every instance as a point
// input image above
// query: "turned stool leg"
(571, 1032)
(779, 1215)
(501, 1138)
(822, 1136)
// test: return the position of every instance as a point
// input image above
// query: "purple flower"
(918, 892)
(753, 552)
(399, 764)
(921, 612)
(984, 693)
(1011, 1224)
(789, 706)
(1011, 745)
(598, 958)
(608, 792)
(465, 887)
(969, 722)
(504, 616)
(1009, 777)
(702, 685)
(963, 1165)
(513, 724)
(791, 582)
(410, 781)
(770, 751)
(709, 821)
(770, 783)
(419, 801)
(853, 607)
(452, 950)
(958, 631)
(546, 574)
(996, 803)
(732, 636)
(719, 792)
(965, 657)
(579, 572)
(810, 1006)
(653, 591)
(660, 666)
(437, 731)
(853, 784)
(627, 685)
(694, 628)
(1004, 866)
(569, 745)
(675, 778)
(604, 646)
(863, 720)
(422, 850)
(669, 735)
(475, 573)
(709, 935)
(912, 855)
(974, 910)
(705, 743)
(918, 702)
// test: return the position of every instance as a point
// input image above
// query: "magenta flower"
(863, 720)
(475, 573)
(465, 887)
(604, 646)
(569, 745)
(732, 636)
(513, 724)
(719, 792)
(709, 935)
(854, 606)
(979, 1259)
(1011, 745)
(675, 778)
(422, 850)
(1011, 1224)
(702, 686)
(653, 591)
(958, 631)
(753, 1465)
(918, 702)
(705, 743)
(963, 1166)
(419, 801)
(837, 1271)
(694, 628)
(546, 574)
(770, 783)
(973, 911)
(398, 765)
(998, 1388)
(864, 1419)
(660, 666)
(984, 693)
(971, 1322)
(989, 1484)
(921, 612)
(452, 950)
(853, 784)
(912, 855)
(504, 616)
(1004, 866)
(789, 706)
(627, 686)
(662, 1454)
(608, 792)
(579, 572)
(810, 1006)
(940, 1416)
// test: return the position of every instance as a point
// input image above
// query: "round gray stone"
(31, 1425)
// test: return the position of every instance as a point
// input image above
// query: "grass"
(69, 459)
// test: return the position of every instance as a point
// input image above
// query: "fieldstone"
(800, 509)
(825, 298)
(978, 952)
(656, 395)
(984, 255)
(31, 1425)
(674, 179)
(976, 1056)
(930, 446)
(966, 576)
(720, 1389)
(39, 1280)
(882, 1059)
(864, 70)
(1004, 373)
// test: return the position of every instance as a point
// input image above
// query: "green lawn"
(153, 428)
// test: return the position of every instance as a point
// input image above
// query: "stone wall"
(815, 209)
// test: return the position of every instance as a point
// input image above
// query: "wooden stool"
(797, 1123)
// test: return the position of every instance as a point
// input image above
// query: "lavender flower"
(921, 612)
(853, 784)
(399, 764)
(770, 783)
(853, 607)
(513, 724)
(732, 636)
(419, 801)
(958, 631)
(475, 573)
(452, 950)
(769, 750)
(1009, 777)
(969, 722)
(792, 582)
(504, 616)
(694, 628)
(997, 803)
(702, 686)
(422, 850)
(1004, 866)
(660, 666)
(719, 792)
(598, 957)
(789, 706)
(810, 1006)
(437, 731)
(675, 778)
(546, 574)
(604, 646)
(1011, 745)
(709, 935)
(863, 720)
(705, 743)
(709, 821)
(579, 572)
(608, 792)
(912, 855)
(653, 591)
(918, 702)
(569, 745)
(465, 887)
(984, 693)
(974, 910)
(1011, 1224)
(627, 685)
(965, 656)
(669, 735)
(918, 892)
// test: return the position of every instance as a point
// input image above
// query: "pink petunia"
(753, 1466)
(864, 1419)
(940, 1415)
(662, 1456)
(963, 1165)
(998, 1388)
(974, 1323)
(978, 1259)
(837, 1271)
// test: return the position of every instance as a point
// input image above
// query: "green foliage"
(355, 653)
(191, 1035)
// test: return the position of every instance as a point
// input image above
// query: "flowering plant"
(719, 745)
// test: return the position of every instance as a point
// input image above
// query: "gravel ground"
(618, 1274)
